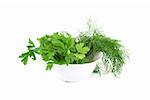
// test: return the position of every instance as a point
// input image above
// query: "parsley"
(31, 53)
(58, 48)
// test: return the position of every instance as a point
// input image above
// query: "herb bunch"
(113, 53)
(62, 48)
(58, 48)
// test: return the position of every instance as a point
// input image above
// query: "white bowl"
(74, 72)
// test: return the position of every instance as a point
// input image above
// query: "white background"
(127, 20)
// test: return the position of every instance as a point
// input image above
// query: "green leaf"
(24, 58)
(80, 56)
(68, 52)
(70, 42)
(81, 49)
(47, 56)
(31, 44)
(70, 58)
(67, 59)
(49, 65)
(84, 50)
(79, 46)
(30, 53)
(57, 43)
(73, 49)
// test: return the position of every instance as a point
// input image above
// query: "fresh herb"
(58, 48)
(31, 53)
(113, 52)
(62, 48)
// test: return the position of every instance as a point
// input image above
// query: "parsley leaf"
(80, 56)
(81, 49)
(49, 65)
(30, 53)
